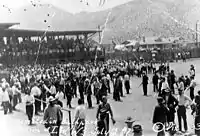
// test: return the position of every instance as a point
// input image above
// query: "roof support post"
(77, 37)
(85, 39)
(8, 40)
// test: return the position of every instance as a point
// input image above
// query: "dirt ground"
(135, 105)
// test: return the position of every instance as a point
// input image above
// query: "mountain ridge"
(127, 21)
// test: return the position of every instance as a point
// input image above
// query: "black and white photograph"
(99, 67)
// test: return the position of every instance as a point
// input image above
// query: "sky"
(72, 6)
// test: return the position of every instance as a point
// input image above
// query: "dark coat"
(160, 114)
(172, 103)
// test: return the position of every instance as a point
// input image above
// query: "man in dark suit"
(155, 82)
(145, 83)
(173, 80)
(171, 103)
(160, 116)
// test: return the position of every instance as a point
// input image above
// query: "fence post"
(70, 123)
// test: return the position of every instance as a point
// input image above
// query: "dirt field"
(135, 105)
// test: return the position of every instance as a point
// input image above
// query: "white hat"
(51, 99)
(3, 80)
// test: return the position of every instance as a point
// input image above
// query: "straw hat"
(51, 99)
(167, 90)
(160, 99)
(3, 80)
(129, 120)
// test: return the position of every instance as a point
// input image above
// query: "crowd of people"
(55, 48)
(45, 85)
(172, 99)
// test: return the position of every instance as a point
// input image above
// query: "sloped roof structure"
(6, 31)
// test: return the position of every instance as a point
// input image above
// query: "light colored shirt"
(5, 96)
(59, 96)
(183, 99)
(52, 89)
(29, 99)
(15, 90)
(181, 86)
(35, 91)
(62, 81)
(9, 90)
(175, 88)
(80, 112)
(22, 79)
(192, 83)
(126, 78)
(165, 85)
(192, 73)
(38, 77)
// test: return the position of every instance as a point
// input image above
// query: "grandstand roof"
(21, 33)
(5, 31)
(7, 25)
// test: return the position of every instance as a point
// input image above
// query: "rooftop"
(7, 25)
(6, 31)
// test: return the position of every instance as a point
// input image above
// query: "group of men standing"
(171, 101)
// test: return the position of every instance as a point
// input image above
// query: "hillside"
(127, 21)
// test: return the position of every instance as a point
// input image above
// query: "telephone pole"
(197, 42)
(99, 29)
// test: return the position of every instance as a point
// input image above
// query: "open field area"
(135, 105)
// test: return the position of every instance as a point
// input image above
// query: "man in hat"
(160, 86)
(69, 93)
(196, 110)
(127, 82)
(88, 91)
(127, 130)
(81, 87)
(192, 71)
(53, 117)
(145, 80)
(165, 85)
(29, 100)
(103, 112)
(52, 89)
(80, 117)
(191, 88)
(181, 111)
(171, 103)
(5, 100)
(10, 93)
(15, 91)
(172, 81)
(155, 82)
(117, 89)
(160, 117)
(181, 86)
(36, 92)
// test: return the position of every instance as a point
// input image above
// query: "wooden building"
(50, 45)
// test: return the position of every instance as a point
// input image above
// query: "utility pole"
(197, 44)
(99, 29)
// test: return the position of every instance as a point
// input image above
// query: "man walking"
(181, 112)
(160, 116)
(5, 100)
(79, 120)
(127, 83)
(36, 92)
(171, 103)
(155, 82)
(53, 117)
(191, 88)
(88, 91)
